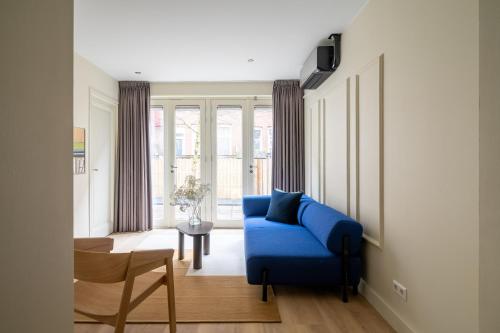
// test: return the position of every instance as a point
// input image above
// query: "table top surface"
(194, 230)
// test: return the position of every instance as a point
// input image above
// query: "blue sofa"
(322, 249)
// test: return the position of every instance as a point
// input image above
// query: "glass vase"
(194, 216)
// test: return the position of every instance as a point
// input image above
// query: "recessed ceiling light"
(251, 60)
(138, 73)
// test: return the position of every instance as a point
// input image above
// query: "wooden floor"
(308, 310)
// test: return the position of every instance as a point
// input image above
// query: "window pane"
(229, 163)
(263, 142)
(257, 132)
(157, 161)
(187, 148)
(224, 140)
(270, 140)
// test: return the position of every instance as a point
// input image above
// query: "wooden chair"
(95, 264)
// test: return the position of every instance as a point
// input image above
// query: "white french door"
(230, 160)
(225, 143)
(241, 155)
(178, 150)
(261, 127)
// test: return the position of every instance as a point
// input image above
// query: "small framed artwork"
(78, 150)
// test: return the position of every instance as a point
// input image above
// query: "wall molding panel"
(336, 181)
(321, 146)
(345, 147)
(370, 150)
(353, 130)
(314, 146)
(344, 152)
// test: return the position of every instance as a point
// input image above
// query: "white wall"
(86, 76)
(489, 162)
(36, 89)
(214, 89)
(430, 200)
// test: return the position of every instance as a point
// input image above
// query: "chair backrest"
(97, 244)
(94, 263)
(101, 267)
(147, 260)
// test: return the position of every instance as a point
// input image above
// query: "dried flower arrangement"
(189, 197)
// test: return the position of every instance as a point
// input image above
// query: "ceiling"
(203, 40)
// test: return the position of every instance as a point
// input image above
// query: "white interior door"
(101, 162)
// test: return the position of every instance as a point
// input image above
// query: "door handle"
(95, 169)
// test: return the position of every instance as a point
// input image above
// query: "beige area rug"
(199, 299)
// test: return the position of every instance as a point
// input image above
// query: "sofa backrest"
(305, 200)
(329, 226)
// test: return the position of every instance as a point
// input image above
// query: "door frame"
(105, 103)
(252, 105)
(163, 103)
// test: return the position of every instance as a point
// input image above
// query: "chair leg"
(171, 296)
(264, 286)
(124, 304)
(120, 328)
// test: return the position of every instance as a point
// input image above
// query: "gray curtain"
(288, 136)
(133, 207)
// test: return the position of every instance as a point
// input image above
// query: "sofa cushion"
(265, 238)
(330, 226)
(283, 206)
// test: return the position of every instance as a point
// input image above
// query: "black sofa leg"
(355, 289)
(345, 267)
(264, 286)
(344, 295)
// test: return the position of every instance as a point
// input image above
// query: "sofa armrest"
(330, 227)
(256, 205)
(351, 229)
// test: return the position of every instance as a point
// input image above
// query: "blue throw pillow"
(283, 207)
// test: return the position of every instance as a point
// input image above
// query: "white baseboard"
(383, 308)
